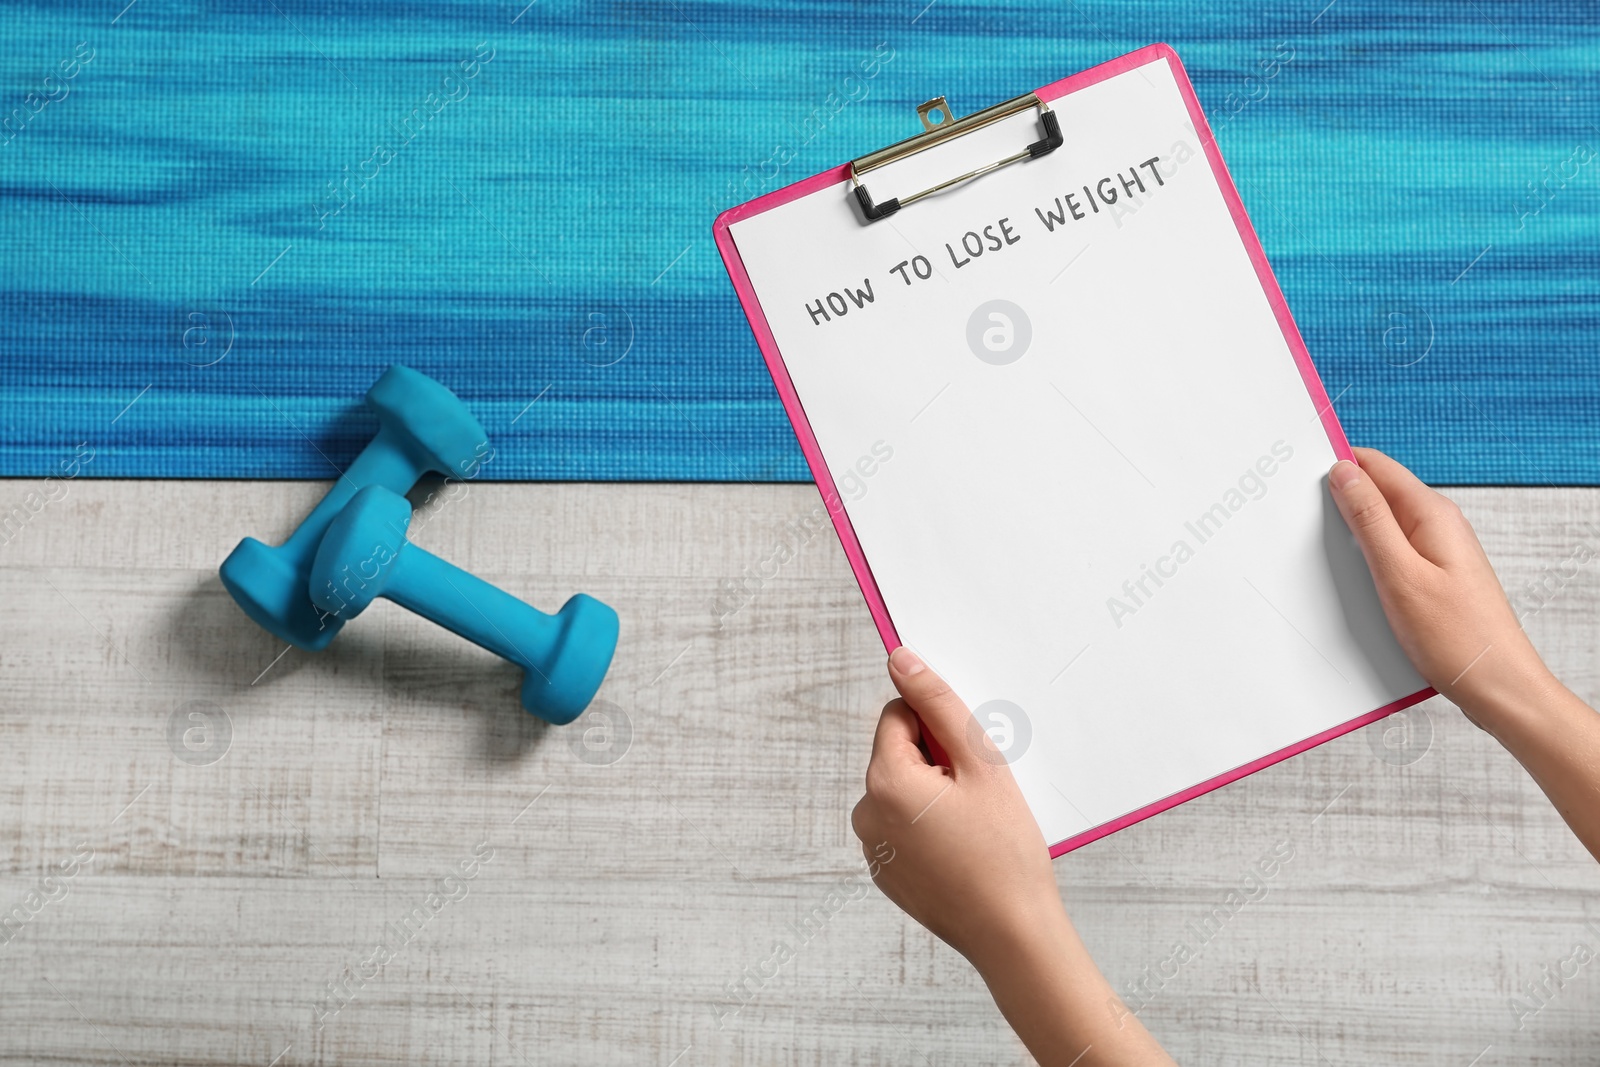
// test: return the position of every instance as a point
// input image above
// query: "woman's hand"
(1441, 596)
(1447, 609)
(969, 861)
(970, 864)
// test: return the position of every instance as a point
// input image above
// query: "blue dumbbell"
(422, 426)
(365, 555)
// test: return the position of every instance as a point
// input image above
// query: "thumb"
(1370, 518)
(943, 713)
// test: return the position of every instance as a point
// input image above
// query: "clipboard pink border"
(824, 477)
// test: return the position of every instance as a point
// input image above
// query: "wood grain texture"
(624, 895)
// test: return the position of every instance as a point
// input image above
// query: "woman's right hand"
(1440, 593)
(1447, 609)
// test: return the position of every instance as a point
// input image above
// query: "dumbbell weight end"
(422, 426)
(269, 581)
(564, 657)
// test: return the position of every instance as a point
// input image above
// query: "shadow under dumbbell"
(422, 670)
(210, 637)
(427, 668)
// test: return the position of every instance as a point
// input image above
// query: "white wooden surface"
(625, 895)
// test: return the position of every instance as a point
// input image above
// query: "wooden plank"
(632, 885)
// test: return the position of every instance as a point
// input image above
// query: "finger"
(1369, 517)
(898, 769)
(1426, 517)
(944, 716)
(898, 740)
(862, 821)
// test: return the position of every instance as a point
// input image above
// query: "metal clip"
(940, 125)
(935, 113)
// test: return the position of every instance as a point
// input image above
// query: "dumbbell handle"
(385, 461)
(469, 606)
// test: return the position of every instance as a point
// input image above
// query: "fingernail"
(906, 661)
(1344, 474)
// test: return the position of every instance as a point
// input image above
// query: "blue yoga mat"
(223, 220)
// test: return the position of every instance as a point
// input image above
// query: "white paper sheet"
(1024, 499)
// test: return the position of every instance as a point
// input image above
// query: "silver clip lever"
(940, 125)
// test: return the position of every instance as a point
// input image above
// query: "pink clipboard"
(824, 477)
